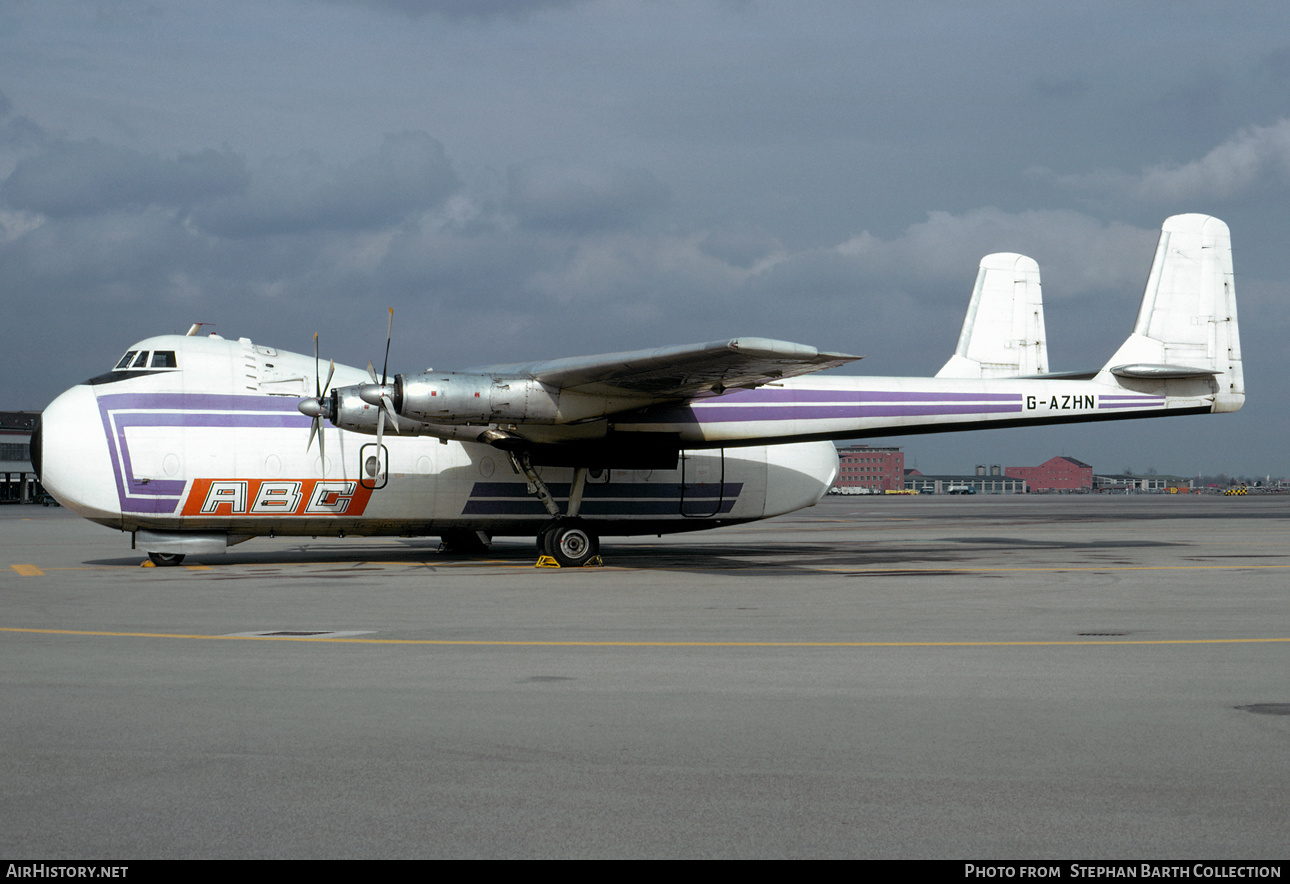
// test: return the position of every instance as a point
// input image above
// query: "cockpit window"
(137, 359)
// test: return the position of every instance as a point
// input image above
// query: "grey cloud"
(739, 248)
(465, 9)
(410, 173)
(566, 197)
(113, 257)
(86, 177)
(1255, 157)
(17, 130)
(1084, 253)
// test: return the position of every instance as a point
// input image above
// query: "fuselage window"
(141, 361)
(163, 359)
(125, 360)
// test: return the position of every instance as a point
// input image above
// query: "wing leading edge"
(683, 372)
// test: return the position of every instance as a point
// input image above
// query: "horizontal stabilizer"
(1003, 332)
(1161, 372)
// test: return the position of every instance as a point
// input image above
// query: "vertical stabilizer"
(1187, 327)
(1003, 332)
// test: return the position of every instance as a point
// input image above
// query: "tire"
(573, 545)
(165, 560)
(544, 540)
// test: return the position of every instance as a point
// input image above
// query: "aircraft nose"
(74, 463)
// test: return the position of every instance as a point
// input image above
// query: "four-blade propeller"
(319, 407)
(381, 393)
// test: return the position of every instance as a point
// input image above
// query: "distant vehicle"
(961, 489)
(192, 443)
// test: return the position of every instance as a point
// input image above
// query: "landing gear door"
(703, 478)
(373, 466)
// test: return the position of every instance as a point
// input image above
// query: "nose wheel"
(569, 542)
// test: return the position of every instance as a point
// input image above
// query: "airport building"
(17, 477)
(1126, 482)
(1056, 474)
(864, 469)
(983, 481)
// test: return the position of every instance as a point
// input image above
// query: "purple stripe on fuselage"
(201, 402)
(123, 411)
(767, 395)
(693, 414)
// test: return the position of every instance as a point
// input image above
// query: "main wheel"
(544, 540)
(573, 545)
(165, 560)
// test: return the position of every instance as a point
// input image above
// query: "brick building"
(1056, 474)
(864, 469)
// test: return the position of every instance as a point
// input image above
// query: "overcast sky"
(527, 180)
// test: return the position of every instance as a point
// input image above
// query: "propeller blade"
(387, 407)
(371, 372)
(389, 334)
(313, 431)
(317, 390)
(380, 430)
(330, 372)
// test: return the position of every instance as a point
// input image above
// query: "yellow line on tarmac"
(28, 570)
(943, 570)
(646, 644)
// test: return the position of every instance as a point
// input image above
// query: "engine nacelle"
(451, 397)
(348, 411)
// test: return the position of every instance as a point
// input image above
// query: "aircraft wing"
(682, 372)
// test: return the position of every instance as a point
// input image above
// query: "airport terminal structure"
(20, 484)
(867, 469)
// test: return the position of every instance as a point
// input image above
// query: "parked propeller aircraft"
(194, 443)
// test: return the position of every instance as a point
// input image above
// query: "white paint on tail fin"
(1003, 332)
(1187, 325)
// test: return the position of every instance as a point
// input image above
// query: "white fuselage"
(217, 445)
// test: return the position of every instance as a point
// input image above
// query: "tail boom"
(1183, 357)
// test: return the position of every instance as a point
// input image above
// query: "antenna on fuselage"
(196, 327)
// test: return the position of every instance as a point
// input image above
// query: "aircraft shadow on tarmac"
(788, 556)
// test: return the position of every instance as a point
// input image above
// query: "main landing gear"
(569, 542)
(165, 560)
(566, 538)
